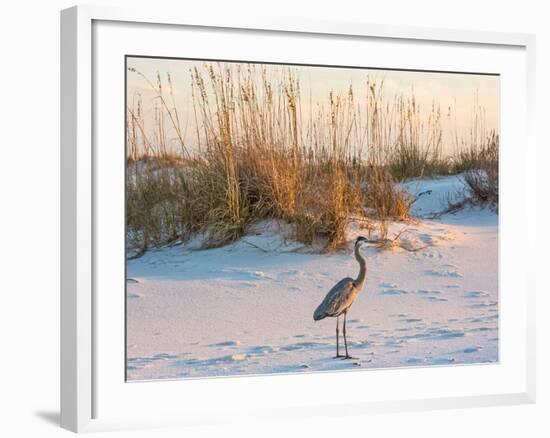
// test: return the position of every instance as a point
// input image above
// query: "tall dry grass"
(255, 155)
(477, 159)
(482, 178)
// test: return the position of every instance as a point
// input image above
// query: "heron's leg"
(345, 339)
(337, 332)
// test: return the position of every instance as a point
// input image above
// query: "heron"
(341, 297)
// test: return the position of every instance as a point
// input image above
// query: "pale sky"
(455, 90)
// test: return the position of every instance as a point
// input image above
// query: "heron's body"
(338, 300)
(341, 297)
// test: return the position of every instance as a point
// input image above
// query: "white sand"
(244, 310)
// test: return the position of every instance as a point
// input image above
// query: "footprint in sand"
(302, 346)
(484, 304)
(291, 274)
(394, 292)
(415, 360)
(226, 344)
(262, 349)
(411, 320)
(443, 333)
(217, 361)
(164, 356)
(390, 285)
(399, 315)
(247, 274)
(437, 299)
(431, 295)
(483, 329)
(443, 361)
(476, 294)
(428, 292)
(443, 273)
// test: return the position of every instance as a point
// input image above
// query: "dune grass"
(255, 156)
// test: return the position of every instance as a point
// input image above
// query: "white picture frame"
(82, 369)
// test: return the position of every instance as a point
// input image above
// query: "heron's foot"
(339, 356)
(347, 356)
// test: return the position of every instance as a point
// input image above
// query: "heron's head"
(360, 240)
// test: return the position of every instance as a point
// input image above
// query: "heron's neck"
(360, 280)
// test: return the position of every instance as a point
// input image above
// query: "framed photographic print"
(257, 209)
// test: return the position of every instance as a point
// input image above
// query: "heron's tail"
(319, 314)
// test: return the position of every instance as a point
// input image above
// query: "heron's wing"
(337, 299)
